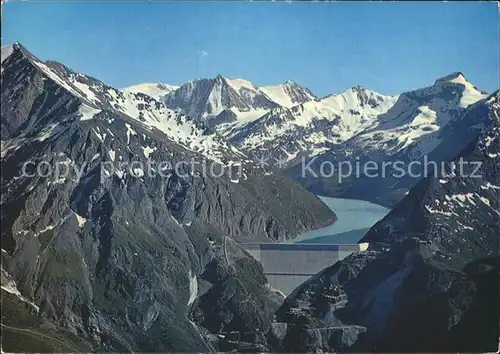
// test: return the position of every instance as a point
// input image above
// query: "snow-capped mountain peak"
(238, 84)
(289, 116)
(358, 98)
(7, 50)
(415, 120)
(455, 77)
(469, 95)
(288, 94)
(220, 79)
(156, 90)
(95, 100)
(220, 100)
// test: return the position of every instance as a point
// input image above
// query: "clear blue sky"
(327, 47)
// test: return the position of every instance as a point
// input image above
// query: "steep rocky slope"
(428, 282)
(133, 234)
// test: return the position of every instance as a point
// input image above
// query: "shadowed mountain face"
(429, 281)
(423, 129)
(110, 254)
(121, 216)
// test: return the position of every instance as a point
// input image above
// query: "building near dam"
(289, 265)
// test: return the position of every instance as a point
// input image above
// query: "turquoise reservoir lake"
(355, 218)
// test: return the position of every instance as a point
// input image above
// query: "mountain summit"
(156, 90)
(219, 100)
(453, 77)
(288, 94)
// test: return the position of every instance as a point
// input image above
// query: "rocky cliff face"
(428, 282)
(131, 245)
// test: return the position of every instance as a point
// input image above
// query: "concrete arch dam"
(289, 265)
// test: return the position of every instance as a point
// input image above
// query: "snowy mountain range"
(429, 125)
(311, 127)
(97, 99)
(287, 123)
(287, 120)
(109, 254)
